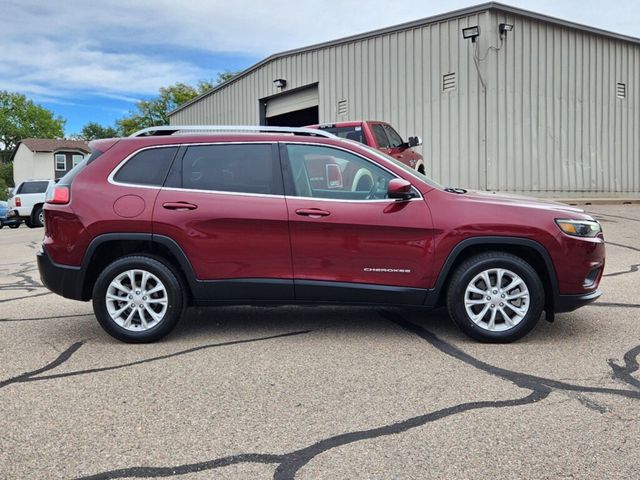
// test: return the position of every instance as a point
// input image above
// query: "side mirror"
(414, 141)
(400, 189)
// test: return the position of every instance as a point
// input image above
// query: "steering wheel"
(374, 189)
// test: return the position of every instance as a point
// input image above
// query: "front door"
(224, 206)
(349, 242)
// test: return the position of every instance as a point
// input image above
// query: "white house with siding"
(44, 158)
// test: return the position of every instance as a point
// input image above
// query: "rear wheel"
(495, 297)
(37, 217)
(138, 299)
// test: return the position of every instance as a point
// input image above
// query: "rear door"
(223, 204)
(349, 241)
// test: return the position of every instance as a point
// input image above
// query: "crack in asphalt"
(622, 245)
(5, 300)
(53, 317)
(289, 464)
(615, 305)
(26, 282)
(632, 268)
(66, 355)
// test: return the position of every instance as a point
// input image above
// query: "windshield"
(404, 167)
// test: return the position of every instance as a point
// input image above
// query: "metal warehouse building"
(548, 108)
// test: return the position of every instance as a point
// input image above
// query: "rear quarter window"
(148, 167)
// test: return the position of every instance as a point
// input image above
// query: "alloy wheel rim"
(137, 300)
(496, 299)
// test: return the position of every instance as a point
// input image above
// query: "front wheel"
(14, 225)
(495, 297)
(138, 299)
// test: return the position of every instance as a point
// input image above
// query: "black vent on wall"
(449, 82)
(621, 90)
(342, 107)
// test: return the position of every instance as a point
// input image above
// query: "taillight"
(18, 202)
(58, 195)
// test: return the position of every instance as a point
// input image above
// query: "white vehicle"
(27, 201)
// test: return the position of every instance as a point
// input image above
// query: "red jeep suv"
(151, 224)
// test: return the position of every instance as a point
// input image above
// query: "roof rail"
(171, 129)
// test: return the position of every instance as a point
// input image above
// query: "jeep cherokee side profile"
(150, 224)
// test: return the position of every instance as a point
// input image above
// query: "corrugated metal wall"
(555, 123)
(550, 120)
(395, 77)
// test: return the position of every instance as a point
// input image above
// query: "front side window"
(395, 140)
(325, 172)
(61, 162)
(249, 168)
(148, 167)
(381, 136)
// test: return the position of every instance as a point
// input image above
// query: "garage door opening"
(296, 108)
(297, 118)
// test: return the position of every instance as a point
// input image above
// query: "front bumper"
(61, 279)
(569, 303)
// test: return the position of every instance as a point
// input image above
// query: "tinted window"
(395, 140)
(350, 133)
(324, 172)
(33, 187)
(149, 167)
(381, 136)
(232, 168)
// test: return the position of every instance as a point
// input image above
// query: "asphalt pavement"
(320, 392)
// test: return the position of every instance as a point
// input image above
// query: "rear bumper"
(15, 215)
(569, 303)
(61, 279)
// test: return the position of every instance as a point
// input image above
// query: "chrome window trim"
(110, 178)
(393, 174)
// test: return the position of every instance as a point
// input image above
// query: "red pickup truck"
(381, 136)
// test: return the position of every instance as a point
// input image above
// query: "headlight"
(579, 228)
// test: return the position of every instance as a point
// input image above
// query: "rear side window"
(148, 167)
(250, 168)
(350, 133)
(33, 187)
(381, 136)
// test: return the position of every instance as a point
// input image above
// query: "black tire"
(474, 266)
(37, 217)
(175, 293)
(29, 224)
(14, 225)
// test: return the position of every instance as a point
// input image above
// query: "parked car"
(27, 201)
(4, 221)
(151, 224)
(381, 136)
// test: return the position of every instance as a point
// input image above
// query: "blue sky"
(90, 61)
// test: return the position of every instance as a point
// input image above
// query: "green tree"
(22, 118)
(95, 131)
(153, 112)
(226, 75)
(6, 179)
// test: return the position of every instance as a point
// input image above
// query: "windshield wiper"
(457, 190)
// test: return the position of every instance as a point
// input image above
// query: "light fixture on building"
(280, 82)
(471, 32)
(504, 28)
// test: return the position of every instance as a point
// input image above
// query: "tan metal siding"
(554, 121)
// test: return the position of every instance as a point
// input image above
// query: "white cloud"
(123, 48)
